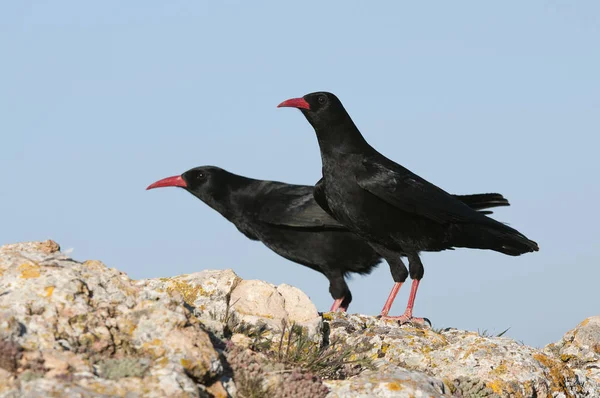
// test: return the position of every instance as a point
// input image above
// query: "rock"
(392, 382)
(221, 297)
(241, 340)
(80, 329)
(253, 301)
(579, 349)
(465, 362)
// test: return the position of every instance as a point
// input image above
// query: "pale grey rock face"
(579, 349)
(80, 329)
(257, 301)
(221, 296)
(392, 382)
(467, 363)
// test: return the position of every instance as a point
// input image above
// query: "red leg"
(390, 300)
(411, 299)
(337, 304)
(407, 316)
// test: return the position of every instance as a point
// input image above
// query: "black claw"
(428, 321)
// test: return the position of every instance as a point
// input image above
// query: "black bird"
(395, 210)
(288, 221)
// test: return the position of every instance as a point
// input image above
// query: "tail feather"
(498, 237)
(483, 201)
(515, 244)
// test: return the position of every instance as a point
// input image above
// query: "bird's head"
(333, 125)
(207, 183)
(321, 109)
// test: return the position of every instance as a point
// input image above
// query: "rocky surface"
(80, 329)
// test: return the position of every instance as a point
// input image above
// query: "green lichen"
(114, 369)
(29, 375)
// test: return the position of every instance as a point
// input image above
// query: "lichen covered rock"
(467, 363)
(221, 297)
(80, 329)
(579, 349)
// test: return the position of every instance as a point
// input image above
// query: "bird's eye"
(200, 176)
(322, 99)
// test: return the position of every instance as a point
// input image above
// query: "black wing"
(319, 195)
(482, 201)
(412, 194)
(293, 206)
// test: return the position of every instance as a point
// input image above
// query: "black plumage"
(287, 219)
(395, 210)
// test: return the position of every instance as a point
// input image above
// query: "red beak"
(299, 103)
(175, 181)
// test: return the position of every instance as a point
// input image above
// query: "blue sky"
(101, 99)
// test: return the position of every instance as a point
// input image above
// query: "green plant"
(485, 333)
(336, 360)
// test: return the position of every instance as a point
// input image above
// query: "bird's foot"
(338, 305)
(404, 319)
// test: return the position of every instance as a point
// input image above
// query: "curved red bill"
(299, 103)
(175, 181)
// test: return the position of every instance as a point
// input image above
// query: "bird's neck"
(341, 138)
(228, 199)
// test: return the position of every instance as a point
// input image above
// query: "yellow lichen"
(583, 323)
(49, 290)
(29, 271)
(189, 293)
(154, 347)
(469, 352)
(384, 348)
(328, 316)
(186, 363)
(558, 373)
(394, 386)
(500, 369)
(566, 357)
(496, 386)
(449, 384)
